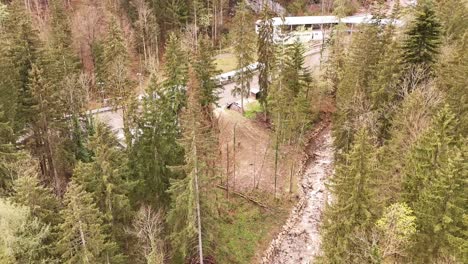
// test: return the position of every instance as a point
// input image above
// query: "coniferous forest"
(123, 141)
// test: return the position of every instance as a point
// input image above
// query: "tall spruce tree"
(353, 206)
(106, 179)
(155, 149)
(353, 93)
(423, 37)
(451, 79)
(205, 69)
(243, 37)
(175, 72)
(434, 188)
(83, 236)
(24, 238)
(266, 55)
(20, 48)
(191, 214)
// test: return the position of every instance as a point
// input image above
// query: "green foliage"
(243, 37)
(106, 179)
(252, 110)
(352, 189)
(23, 236)
(21, 49)
(289, 100)
(243, 229)
(29, 192)
(451, 78)
(435, 187)
(155, 148)
(453, 18)
(83, 236)
(397, 227)
(423, 36)
(205, 69)
(117, 82)
(175, 72)
(266, 55)
(191, 215)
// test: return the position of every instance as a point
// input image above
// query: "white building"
(307, 28)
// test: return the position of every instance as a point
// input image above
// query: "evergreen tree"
(451, 79)
(45, 124)
(175, 73)
(266, 55)
(353, 208)
(243, 38)
(434, 187)
(43, 205)
(191, 214)
(411, 119)
(23, 237)
(353, 93)
(20, 49)
(423, 37)
(205, 69)
(290, 97)
(155, 149)
(116, 79)
(106, 179)
(83, 237)
(7, 155)
(453, 18)
(31, 193)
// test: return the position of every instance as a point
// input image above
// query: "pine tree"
(31, 193)
(453, 18)
(243, 38)
(116, 79)
(20, 49)
(434, 188)
(175, 72)
(205, 69)
(353, 208)
(266, 56)
(155, 149)
(23, 237)
(290, 97)
(83, 237)
(423, 37)
(106, 178)
(353, 93)
(7, 155)
(451, 78)
(43, 205)
(191, 214)
(45, 124)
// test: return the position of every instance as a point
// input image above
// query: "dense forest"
(164, 188)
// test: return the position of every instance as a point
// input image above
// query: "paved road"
(114, 118)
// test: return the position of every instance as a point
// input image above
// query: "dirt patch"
(248, 164)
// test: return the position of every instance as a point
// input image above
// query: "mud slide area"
(299, 240)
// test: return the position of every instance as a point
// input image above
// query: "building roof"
(317, 20)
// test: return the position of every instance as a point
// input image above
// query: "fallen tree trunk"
(246, 197)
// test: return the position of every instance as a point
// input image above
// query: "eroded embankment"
(299, 240)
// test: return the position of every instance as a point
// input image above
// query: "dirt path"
(299, 240)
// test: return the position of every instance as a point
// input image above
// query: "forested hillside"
(188, 179)
(399, 192)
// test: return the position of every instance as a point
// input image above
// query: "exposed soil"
(251, 165)
(299, 240)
